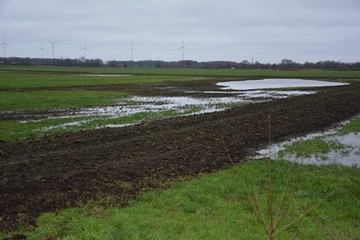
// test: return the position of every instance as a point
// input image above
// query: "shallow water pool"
(276, 83)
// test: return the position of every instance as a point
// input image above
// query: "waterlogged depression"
(138, 108)
(185, 105)
(345, 150)
(277, 83)
(349, 145)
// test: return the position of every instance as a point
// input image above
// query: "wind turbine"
(42, 50)
(183, 48)
(131, 49)
(85, 49)
(4, 46)
(52, 46)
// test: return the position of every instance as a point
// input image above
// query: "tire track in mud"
(57, 171)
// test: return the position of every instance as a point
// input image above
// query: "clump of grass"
(317, 147)
(352, 127)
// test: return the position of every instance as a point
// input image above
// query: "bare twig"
(269, 193)
(254, 201)
(304, 213)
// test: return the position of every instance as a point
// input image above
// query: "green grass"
(56, 99)
(324, 74)
(317, 147)
(19, 79)
(352, 127)
(216, 206)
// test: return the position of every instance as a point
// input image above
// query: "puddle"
(348, 155)
(276, 83)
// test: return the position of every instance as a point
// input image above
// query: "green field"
(37, 77)
(322, 74)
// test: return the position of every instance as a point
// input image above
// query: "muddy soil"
(44, 174)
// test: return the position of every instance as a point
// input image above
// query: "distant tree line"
(285, 64)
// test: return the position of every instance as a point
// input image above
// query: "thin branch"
(304, 213)
(254, 203)
(269, 193)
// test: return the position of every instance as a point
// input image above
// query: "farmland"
(55, 171)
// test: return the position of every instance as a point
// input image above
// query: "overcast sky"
(235, 30)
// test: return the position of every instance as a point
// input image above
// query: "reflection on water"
(276, 83)
(348, 155)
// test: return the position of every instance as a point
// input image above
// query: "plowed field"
(58, 171)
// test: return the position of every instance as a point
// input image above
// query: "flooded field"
(245, 92)
(56, 171)
(277, 83)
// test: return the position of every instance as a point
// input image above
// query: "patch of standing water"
(348, 154)
(158, 104)
(276, 83)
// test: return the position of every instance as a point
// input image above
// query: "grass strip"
(352, 127)
(10, 101)
(216, 206)
(328, 74)
(19, 79)
(312, 147)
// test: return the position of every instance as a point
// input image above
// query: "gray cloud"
(232, 30)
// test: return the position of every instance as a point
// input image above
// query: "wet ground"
(346, 150)
(63, 170)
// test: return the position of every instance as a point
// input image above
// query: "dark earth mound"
(64, 170)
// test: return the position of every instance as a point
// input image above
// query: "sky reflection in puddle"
(276, 83)
(349, 155)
